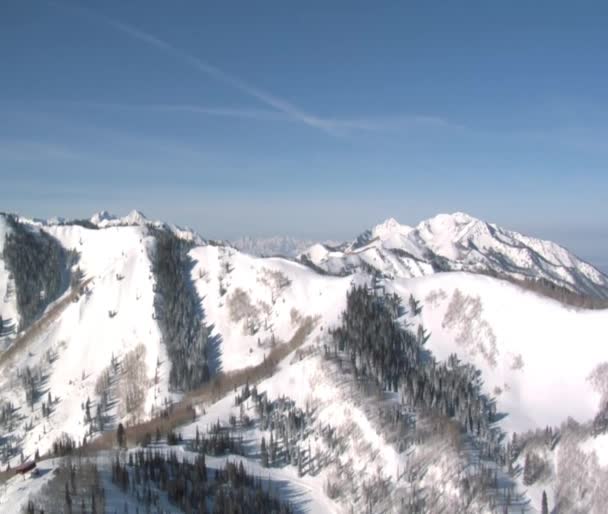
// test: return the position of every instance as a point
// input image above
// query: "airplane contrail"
(273, 101)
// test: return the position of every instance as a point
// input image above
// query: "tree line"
(178, 310)
(38, 264)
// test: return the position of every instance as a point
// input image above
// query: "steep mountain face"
(459, 242)
(68, 355)
(253, 360)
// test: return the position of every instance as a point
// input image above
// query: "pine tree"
(264, 453)
(88, 410)
(300, 472)
(120, 435)
(68, 500)
(272, 450)
(527, 470)
(544, 505)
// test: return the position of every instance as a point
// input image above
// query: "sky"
(311, 119)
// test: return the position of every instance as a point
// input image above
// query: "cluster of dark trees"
(75, 488)
(31, 380)
(178, 311)
(534, 467)
(600, 421)
(192, 487)
(7, 411)
(289, 426)
(38, 264)
(9, 418)
(63, 445)
(218, 441)
(437, 399)
(381, 350)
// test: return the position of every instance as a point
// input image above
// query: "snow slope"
(73, 352)
(104, 219)
(540, 359)
(459, 242)
(115, 316)
(280, 293)
(536, 355)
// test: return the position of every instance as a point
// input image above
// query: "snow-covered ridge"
(459, 242)
(535, 355)
(104, 219)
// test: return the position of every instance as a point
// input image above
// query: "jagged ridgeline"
(178, 311)
(39, 265)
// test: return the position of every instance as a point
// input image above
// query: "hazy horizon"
(597, 260)
(267, 119)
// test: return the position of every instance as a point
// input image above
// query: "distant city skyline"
(312, 120)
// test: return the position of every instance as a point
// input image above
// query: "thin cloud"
(273, 101)
(31, 150)
(224, 112)
(389, 123)
(338, 125)
(282, 110)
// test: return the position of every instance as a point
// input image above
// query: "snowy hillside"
(459, 242)
(536, 355)
(114, 318)
(396, 424)
(110, 318)
(253, 303)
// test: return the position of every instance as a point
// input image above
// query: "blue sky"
(316, 119)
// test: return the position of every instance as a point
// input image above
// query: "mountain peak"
(135, 217)
(455, 218)
(461, 242)
(390, 227)
(102, 216)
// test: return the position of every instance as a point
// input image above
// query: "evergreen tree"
(120, 435)
(38, 264)
(68, 500)
(264, 453)
(544, 505)
(177, 309)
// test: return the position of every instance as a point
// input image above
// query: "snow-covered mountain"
(101, 353)
(458, 242)
(285, 246)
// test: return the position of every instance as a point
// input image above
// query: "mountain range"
(453, 366)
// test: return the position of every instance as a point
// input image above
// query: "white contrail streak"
(273, 101)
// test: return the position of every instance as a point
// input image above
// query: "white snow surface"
(277, 310)
(84, 337)
(459, 242)
(104, 219)
(536, 355)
